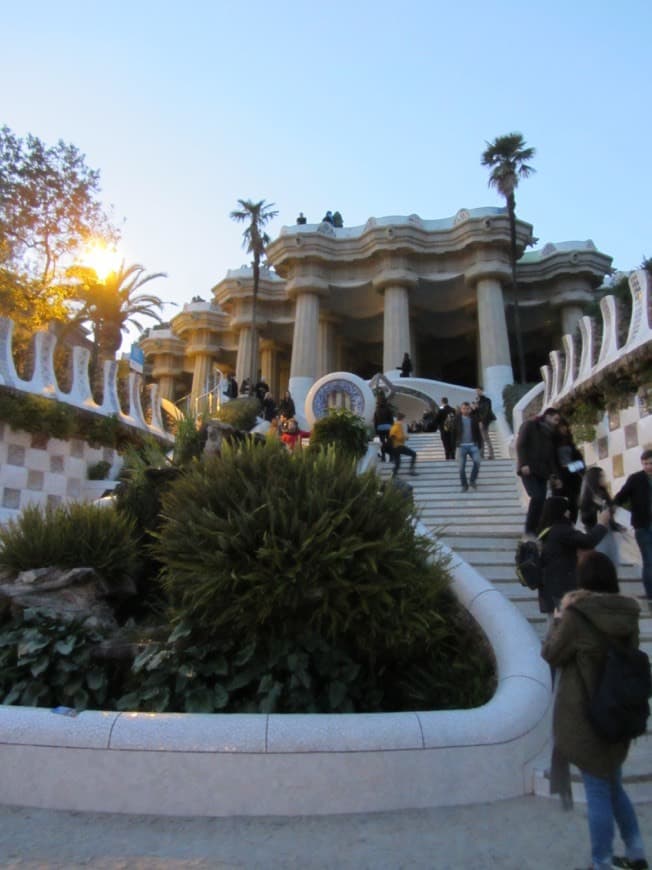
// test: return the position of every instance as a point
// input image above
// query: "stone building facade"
(358, 298)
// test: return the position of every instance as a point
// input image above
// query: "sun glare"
(101, 258)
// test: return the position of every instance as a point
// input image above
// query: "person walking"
(561, 542)
(571, 466)
(383, 419)
(637, 493)
(468, 440)
(595, 497)
(589, 619)
(445, 422)
(397, 437)
(536, 463)
(486, 417)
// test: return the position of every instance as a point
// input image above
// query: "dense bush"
(98, 470)
(70, 536)
(241, 413)
(265, 541)
(46, 663)
(342, 429)
(187, 442)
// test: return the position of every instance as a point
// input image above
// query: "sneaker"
(632, 864)
(414, 473)
(465, 489)
(474, 486)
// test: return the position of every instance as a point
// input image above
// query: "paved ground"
(519, 834)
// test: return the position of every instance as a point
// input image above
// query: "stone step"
(483, 527)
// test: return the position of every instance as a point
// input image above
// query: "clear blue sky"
(366, 106)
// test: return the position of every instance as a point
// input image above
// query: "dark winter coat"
(443, 413)
(592, 503)
(383, 415)
(579, 652)
(485, 411)
(476, 434)
(636, 492)
(536, 448)
(559, 560)
(286, 407)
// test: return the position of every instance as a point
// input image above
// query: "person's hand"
(525, 470)
(604, 517)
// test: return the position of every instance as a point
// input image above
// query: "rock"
(73, 595)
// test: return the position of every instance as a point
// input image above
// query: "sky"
(369, 107)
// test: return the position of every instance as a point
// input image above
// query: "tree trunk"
(511, 209)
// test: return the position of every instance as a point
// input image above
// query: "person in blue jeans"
(636, 492)
(577, 645)
(468, 440)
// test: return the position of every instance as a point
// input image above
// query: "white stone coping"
(293, 764)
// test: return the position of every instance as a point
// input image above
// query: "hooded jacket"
(579, 651)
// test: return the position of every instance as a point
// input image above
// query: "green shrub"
(70, 536)
(512, 394)
(305, 675)
(46, 663)
(241, 413)
(40, 415)
(145, 475)
(262, 543)
(343, 429)
(187, 443)
(98, 470)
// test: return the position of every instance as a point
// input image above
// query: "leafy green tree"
(257, 215)
(507, 157)
(49, 207)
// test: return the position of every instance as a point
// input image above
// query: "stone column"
(269, 366)
(570, 318)
(201, 375)
(326, 347)
(166, 387)
(243, 360)
(396, 328)
(495, 362)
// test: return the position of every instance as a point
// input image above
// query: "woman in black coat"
(571, 466)
(286, 406)
(560, 543)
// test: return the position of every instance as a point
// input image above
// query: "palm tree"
(507, 158)
(254, 241)
(113, 305)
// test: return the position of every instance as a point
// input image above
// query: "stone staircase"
(482, 526)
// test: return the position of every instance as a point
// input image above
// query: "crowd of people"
(464, 432)
(571, 516)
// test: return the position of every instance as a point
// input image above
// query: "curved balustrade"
(44, 382)
(560, 378)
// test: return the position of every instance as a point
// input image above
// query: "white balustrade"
(560, 378)
(44, 382)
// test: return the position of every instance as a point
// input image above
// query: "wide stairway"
(482, 526)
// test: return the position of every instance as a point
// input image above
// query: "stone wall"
(35, 469)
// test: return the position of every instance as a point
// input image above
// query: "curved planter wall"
(216, 765)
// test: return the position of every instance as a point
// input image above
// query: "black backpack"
(528, 563)
(619, 707)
